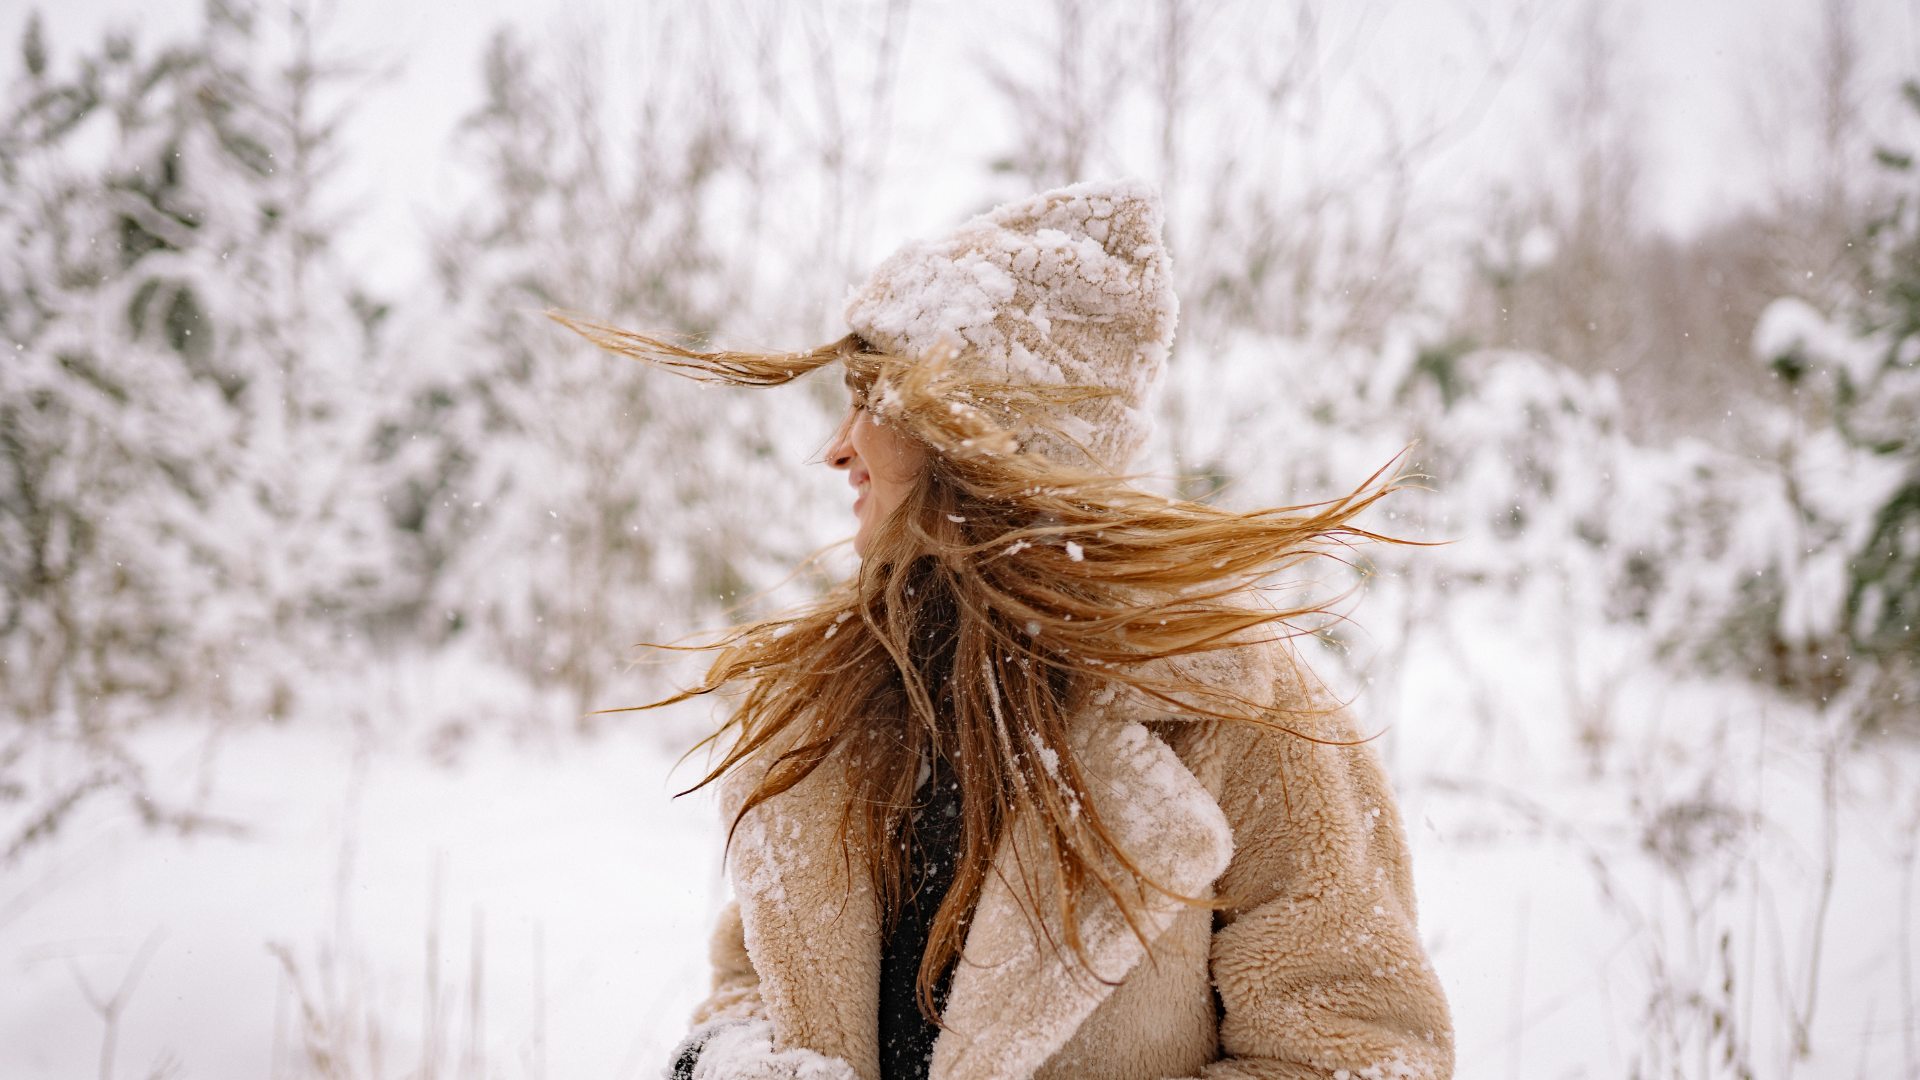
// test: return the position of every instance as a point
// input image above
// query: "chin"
(862, 535)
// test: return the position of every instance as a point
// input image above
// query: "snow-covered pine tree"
(562, 503)
(184, 518)
(1854, 600)
(287, 311)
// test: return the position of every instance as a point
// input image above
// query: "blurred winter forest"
(321, 547)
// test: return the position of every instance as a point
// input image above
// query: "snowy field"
(386, 909)
(398, 905)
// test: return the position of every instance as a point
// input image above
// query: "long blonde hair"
(1031, 580)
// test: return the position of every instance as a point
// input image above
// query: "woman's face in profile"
(881, 464)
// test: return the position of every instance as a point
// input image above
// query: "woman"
(1039, 791)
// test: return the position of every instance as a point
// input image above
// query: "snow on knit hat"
(1071, 286)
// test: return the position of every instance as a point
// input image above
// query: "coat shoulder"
(1255, 675)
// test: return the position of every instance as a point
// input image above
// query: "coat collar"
(812, 930)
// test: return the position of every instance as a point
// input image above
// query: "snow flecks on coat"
(1395, 1068)
(1165, 797)
(744, 1050)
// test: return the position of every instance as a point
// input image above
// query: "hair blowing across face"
(1000, 590)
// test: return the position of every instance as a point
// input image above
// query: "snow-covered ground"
(404, 904)
(524, 910)
(1647, 907)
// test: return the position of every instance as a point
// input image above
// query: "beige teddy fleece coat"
(1317, 972)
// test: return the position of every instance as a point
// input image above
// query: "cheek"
(893, 461)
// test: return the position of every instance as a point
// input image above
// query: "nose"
(839, 453)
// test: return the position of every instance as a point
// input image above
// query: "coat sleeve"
(1318, 966)
(734, 993)
(735, 990)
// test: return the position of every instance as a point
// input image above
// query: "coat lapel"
(1013, 1003)
(814, 942)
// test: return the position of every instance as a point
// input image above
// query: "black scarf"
(907, 1037)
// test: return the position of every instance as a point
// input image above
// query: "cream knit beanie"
(1071, 286)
